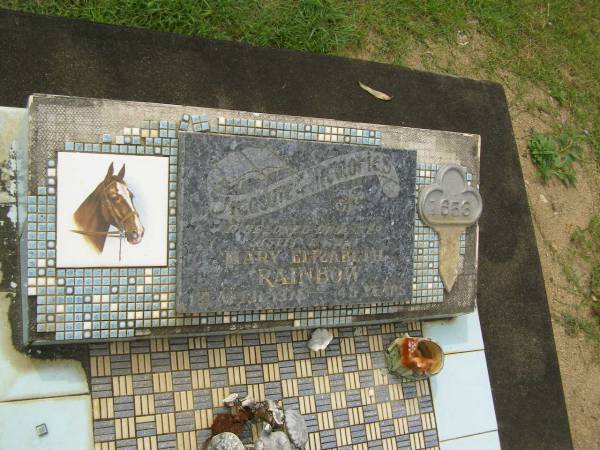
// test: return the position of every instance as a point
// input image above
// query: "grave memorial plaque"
(141, 219)
(268, 223)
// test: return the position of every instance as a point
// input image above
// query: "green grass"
(554, 44)
(321, 26)
(587, 240)
(582, 271)
(575, 326)
(586, 246)
(554, 155)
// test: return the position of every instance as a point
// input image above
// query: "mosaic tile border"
(427, 285)
(165, 393)
(112, 303)
(298, 131)
(103, 303)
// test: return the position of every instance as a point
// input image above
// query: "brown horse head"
(111, 203)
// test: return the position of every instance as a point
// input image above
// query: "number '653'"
(453, 208)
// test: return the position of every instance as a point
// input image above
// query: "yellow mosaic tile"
(165, 423)
(200, 378)
(140, 363)
(162, 382)
(147, 443)
(252, 355)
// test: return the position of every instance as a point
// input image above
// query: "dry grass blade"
(375, 93)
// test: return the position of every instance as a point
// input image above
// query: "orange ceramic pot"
(414, 358)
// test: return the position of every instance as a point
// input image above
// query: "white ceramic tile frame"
(33, 392)
(462, 397)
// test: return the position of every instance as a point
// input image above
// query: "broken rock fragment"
(225, 441)
(319, 340)
(296, 428)
(273, 440)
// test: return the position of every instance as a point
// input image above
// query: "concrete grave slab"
(103, 288)
(24, 377)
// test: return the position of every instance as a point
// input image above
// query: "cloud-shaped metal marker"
(449, 206)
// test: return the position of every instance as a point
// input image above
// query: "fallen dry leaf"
(375, 93)
(461, 38)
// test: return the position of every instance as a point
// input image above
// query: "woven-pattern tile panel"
(164, 393)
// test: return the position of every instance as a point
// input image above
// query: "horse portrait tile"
(112, 210)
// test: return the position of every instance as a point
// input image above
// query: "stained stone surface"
(268, 223)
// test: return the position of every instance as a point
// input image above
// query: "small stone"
(232, 400)
(543, 198)
(276, 440)
(249, 402)
(225, 441)
(296, 428)
(319, 340)
(272, 405)
(278, 417)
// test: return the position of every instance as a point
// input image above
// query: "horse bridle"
(116, 216)
(120, 220)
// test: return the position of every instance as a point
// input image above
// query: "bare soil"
(555, 209)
